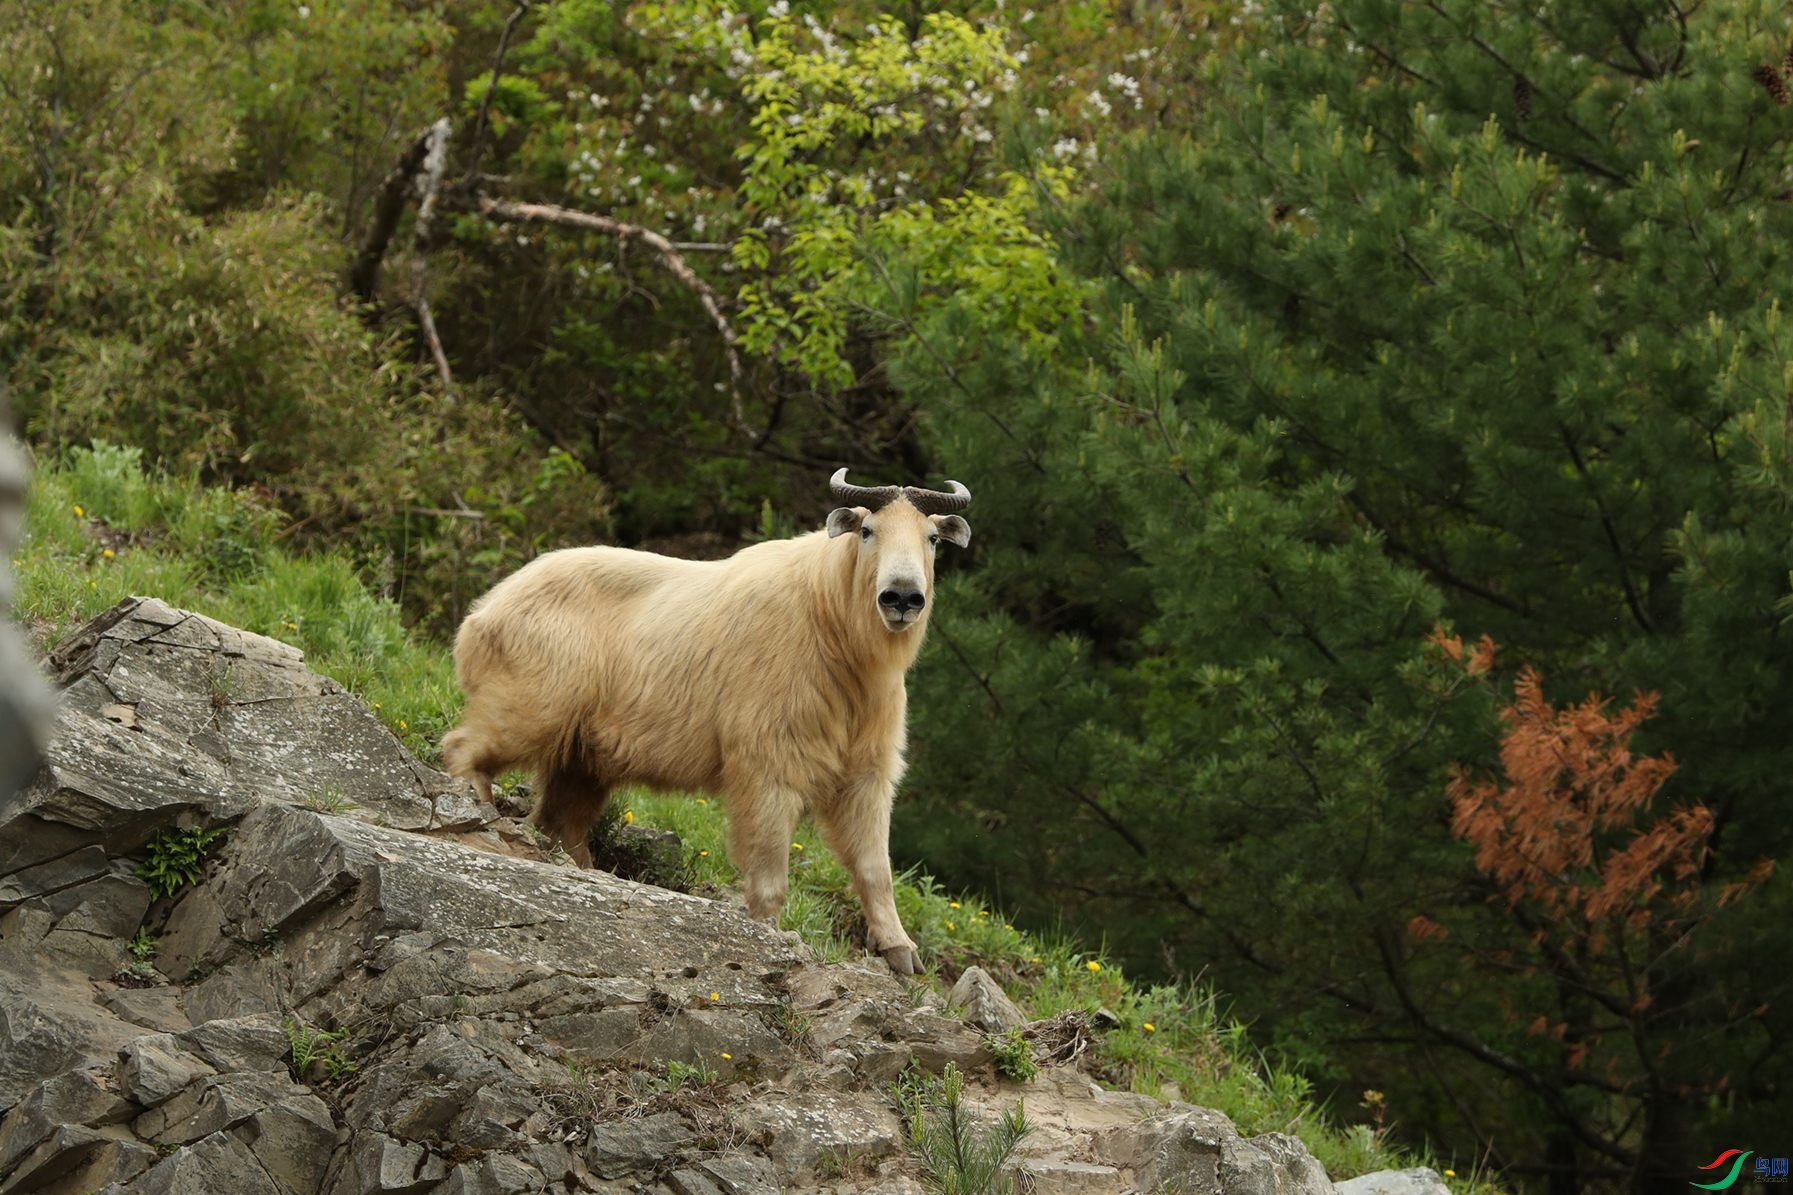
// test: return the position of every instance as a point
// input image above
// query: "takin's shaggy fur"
(773, 679)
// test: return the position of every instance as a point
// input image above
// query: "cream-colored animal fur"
(773, 679)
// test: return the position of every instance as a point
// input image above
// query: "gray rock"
(157, 1067)
(76, 1160)
(219, 1163)
(77, 1098)
(1420, 1180)
(986, 1005)
(741, 1174)
(252, 1043)
(618, 1147)
(494, 1174)
(157, 1009)
(169, 716)
(1199, 1149)
(1065, 1176)
(379, 1165)
(292, 1141)
(799, 1129)
(220, 1102)
(49, 1023)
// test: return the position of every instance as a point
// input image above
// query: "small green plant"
(957, 1157)
(176, 859)
(307, 1047)
(329, 799)
(143, 947)
(223, 686)
(793, 1027)
(683, 1074)
(1014, 1056)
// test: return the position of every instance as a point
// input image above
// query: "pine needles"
(958, 1156)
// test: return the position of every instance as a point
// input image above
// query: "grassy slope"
(99, 529)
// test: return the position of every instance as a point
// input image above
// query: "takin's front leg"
(761, 820)
(857, 829)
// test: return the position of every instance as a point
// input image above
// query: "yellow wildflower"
(702, 801)
(107, 553)
(952, 904)
(715, 995)
(628, 817)
(796, 846)
(1151, 1028)
(950, 925)
(1450, 1174)
(79, 513)
(728, 1056)
(1006, 925)
(1093, 965)
(704, 854)
(983, 912)
(403, 725)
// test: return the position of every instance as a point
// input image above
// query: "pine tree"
(1445, 311)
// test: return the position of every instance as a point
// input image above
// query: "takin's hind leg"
(570, 796)
(760, 824)
(469, 754)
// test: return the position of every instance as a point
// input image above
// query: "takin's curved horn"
(933, 502)
(870, 497)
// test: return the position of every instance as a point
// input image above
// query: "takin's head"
(898, 529)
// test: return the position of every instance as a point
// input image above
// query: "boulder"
(984, 1003)
(1420, 1180)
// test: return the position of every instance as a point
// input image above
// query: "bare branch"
(481, 121)
(546, 213)
(435, 162)
(389, 206)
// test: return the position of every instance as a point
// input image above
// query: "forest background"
(1378, 414)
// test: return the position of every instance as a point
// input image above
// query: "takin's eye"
(933, 541)
(865, 532)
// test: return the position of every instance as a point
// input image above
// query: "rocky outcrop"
(379, 984)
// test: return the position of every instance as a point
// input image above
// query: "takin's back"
(665, 669)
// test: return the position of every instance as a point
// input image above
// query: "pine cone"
(1522, 97)
(1770, 78)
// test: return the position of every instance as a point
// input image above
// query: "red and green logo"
(1741, 1156)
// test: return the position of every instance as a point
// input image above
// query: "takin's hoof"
(903, 960)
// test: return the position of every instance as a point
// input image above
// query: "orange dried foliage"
(1566, 833)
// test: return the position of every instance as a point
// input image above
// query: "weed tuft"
(1014, 1056)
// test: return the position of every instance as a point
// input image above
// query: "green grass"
(100, 527)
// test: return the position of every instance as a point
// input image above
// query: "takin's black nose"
(899, 601)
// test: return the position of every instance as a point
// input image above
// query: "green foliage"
(957, 1156)
(330, 799)
(99, 528)
(142, 946)
(176, 860)
(308, 1048)
(680, 1075)
(1433, 317)
(1014, 1056)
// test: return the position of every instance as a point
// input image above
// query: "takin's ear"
(952, 527)
(843, 519)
